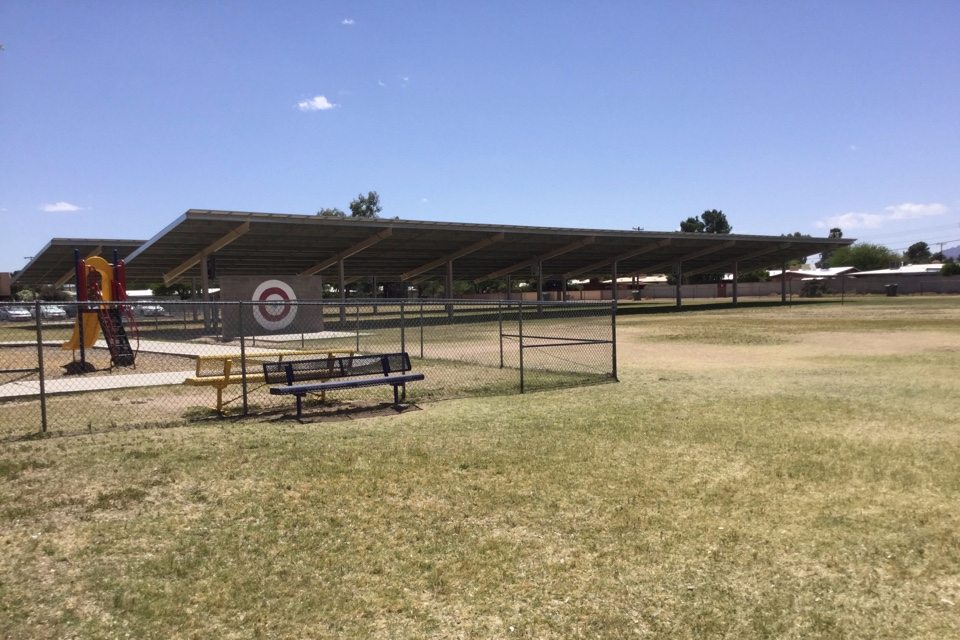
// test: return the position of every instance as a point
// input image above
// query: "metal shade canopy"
(248, 244)
(54, 264)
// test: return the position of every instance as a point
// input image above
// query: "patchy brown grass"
(799, 485)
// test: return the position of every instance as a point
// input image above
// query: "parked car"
(152, 310)
(15, 314)
(49, 313)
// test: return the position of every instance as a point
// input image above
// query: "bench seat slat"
(333, 385)
(301, 377)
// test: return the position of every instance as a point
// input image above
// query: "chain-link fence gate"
(200, 361)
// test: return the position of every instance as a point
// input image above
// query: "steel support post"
(678, 271)
(736, 278)
(43, 388)
(783, 282)
(342, 283)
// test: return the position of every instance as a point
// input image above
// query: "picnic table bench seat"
(302, 377)
(218, 371)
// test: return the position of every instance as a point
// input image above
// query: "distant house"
(812, 274)
(932, 269)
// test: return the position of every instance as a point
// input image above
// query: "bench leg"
(299, 407)
(397, 397)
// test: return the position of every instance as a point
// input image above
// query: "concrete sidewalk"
(81, 383)
(77, 384)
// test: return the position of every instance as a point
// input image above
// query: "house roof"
(815, 274)
(905, 270)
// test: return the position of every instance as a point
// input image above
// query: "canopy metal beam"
(592, 268)
(690, 256)
(749, 256)
(69, 275)
(476, 246)
(343, 255)
(174, 274)
(559, 251)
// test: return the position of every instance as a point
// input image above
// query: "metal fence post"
(43, 390)
(613, 337)
(500, 323)
(520, 333)
(403, 330)
(243, 357)
(358, 327)
(421, 328)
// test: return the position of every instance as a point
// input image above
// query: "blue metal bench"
(302, 377)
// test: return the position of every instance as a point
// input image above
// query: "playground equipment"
(101, 288)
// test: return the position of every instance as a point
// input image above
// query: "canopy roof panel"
(244, 243)
(54, 264)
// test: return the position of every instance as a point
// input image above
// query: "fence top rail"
(350, 302)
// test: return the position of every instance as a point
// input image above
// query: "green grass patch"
(799, 487)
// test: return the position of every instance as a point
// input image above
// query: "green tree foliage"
(950, 268)
(824, 261)
(712, 221)
(715, 222)
(919, 253)
(366, 206)
(796, 262)
(184, 291)
(692, 225)
(44, 293)
(332, 213)
(760, 275)
(863, 256)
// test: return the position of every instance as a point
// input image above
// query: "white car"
(49, 313)
(152, 310)
(15, 314)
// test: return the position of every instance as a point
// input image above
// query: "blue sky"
(116, 117)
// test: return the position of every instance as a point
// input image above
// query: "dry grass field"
(770, 472)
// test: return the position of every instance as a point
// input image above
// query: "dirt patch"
(803, 349)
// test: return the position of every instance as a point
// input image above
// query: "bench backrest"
(296, 371)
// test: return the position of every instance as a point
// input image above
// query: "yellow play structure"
(94, 317)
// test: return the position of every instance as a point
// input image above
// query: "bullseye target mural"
(273, 310)
(271, 305)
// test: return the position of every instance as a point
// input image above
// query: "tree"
(712, 221)
(760, 275)
(183, 291)
(950, 268)
(366, 206)
(918, 253)
(796, 262)
(715, 221)
(863, 256)
(824, 261)
(332, 213)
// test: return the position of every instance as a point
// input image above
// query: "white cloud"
(60, 207)
(317, 103)
(905, 211)
(909, 210)
(347, 21)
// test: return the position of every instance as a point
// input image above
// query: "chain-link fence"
(144, 364)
